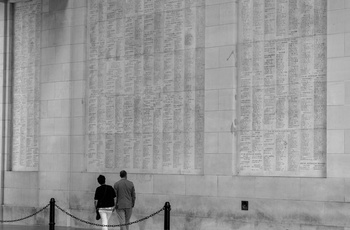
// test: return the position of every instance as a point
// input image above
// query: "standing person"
(125, 191)
(104, 200)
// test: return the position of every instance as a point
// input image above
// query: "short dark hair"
(101, 179)
(123, 174)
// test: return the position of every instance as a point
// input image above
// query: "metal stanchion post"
(52, 214)
(167, 209)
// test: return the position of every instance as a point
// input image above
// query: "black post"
(52, 214)
(167, 209)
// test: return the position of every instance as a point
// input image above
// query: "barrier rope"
(84, 221)
(7, 221)
(115, 225)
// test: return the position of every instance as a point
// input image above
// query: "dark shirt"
(105, 195)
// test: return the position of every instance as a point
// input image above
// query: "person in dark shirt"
(104, 200)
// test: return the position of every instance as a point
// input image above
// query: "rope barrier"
(15, 220)
(115, 225)
(166, 207)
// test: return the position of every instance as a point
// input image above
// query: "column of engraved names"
(112, 67)
(245, 82)
(92, 97)
(26, 93)
(282, 38)
(313, 71)
(282, 114)
(257, 84)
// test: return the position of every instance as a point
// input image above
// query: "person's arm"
(95, 202)
(96, 198)
(133, 195)
(116, 198)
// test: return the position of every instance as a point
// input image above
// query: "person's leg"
(121, 218)
(104, 218)
(128, 212)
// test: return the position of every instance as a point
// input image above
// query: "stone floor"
(42, 227)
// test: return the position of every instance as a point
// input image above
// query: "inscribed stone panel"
(282, 87)
(145, 91)
(26, 86)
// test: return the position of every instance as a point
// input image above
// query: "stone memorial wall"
(122, 87)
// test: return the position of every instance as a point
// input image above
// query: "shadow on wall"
(58, 4)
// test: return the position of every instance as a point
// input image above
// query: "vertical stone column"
(6, 21)
(338, 90)
(62, 98)
(220, 87)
